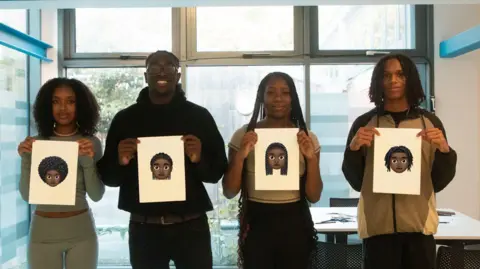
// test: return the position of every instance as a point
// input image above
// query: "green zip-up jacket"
(379, 213)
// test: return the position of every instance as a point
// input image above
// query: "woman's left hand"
(85, 148)
(306, 145)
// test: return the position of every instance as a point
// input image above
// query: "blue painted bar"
(24, 43)
(460, 44)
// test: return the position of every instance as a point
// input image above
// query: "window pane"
(123, 29)
(339, 94)
(115, 89)
(15, 18)
(245, 29)
(14, 115)
(234, 88)
(363, 27)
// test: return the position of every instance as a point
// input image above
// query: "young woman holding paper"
(276, 228)
(65, 110)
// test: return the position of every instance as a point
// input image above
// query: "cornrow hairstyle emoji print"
(161, 166)
(53, 170)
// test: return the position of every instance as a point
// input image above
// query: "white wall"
(457, 87)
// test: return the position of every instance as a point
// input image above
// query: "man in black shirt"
(160, 232)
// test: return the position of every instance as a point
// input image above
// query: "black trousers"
(188, 244)
(278, 237)
(400, 251)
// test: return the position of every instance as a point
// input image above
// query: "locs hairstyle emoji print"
(276, 158)
(161, 166)
(399, 159)
(53, 170)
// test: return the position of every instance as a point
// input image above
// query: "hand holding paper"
(306, 145)
(249, 141)
(436, 137)
(26, 145)
(363, 137)
(126, 150)
(85, 148)
(193, 148)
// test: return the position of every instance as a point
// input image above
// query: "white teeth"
(162, 82)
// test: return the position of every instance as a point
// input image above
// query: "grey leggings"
(75, 255)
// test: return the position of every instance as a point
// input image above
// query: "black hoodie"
(179, 117)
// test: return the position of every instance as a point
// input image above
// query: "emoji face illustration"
(53, 170)
(161, 166)
(398, 159)
(276, 158)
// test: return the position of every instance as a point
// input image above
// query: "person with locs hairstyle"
(401, 236)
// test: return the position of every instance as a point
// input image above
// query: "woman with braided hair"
(276, 228)
(64, 110)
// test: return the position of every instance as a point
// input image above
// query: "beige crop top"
(273, 197)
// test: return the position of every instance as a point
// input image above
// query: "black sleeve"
(445, 164)
(353, 164)
(213, 162)
(112, 173)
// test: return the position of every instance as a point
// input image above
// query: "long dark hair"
(87, 111)
(268, 168)
(413, 86)
(296, 117)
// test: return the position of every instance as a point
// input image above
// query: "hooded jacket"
(179, 117)
(379, 213)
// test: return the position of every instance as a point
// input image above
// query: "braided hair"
(296, 117)
(399, 149)
(268, 168)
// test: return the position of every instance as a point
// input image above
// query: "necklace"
(70, 134)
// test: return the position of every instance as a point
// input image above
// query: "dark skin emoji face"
(276, 158)
(399, 162)
(52, 178)
(161, 169)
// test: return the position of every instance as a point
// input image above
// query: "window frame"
(194, 54)
(422, 26)
(69, 41)
(304, 53)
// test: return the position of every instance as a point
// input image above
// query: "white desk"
(458, 227)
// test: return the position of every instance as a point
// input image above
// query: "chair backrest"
(343, 202)
(457, 258)
(337, 256)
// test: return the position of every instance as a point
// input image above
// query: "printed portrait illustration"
(398, 159)
(53, 170)
(161, 166)
(276, 158)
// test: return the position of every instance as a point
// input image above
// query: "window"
(14, 114)
(15, 18)
(234, 88)
(225, 52)
(338, 95)
(234, 31)
(218, 28)
(115, 89)
(149, 29)
(344, 30)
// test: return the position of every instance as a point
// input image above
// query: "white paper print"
(397, 161)
(161, 169)
(277, 159)
(53, 174)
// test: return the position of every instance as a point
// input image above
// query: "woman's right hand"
(248, 143)
(25, 146)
